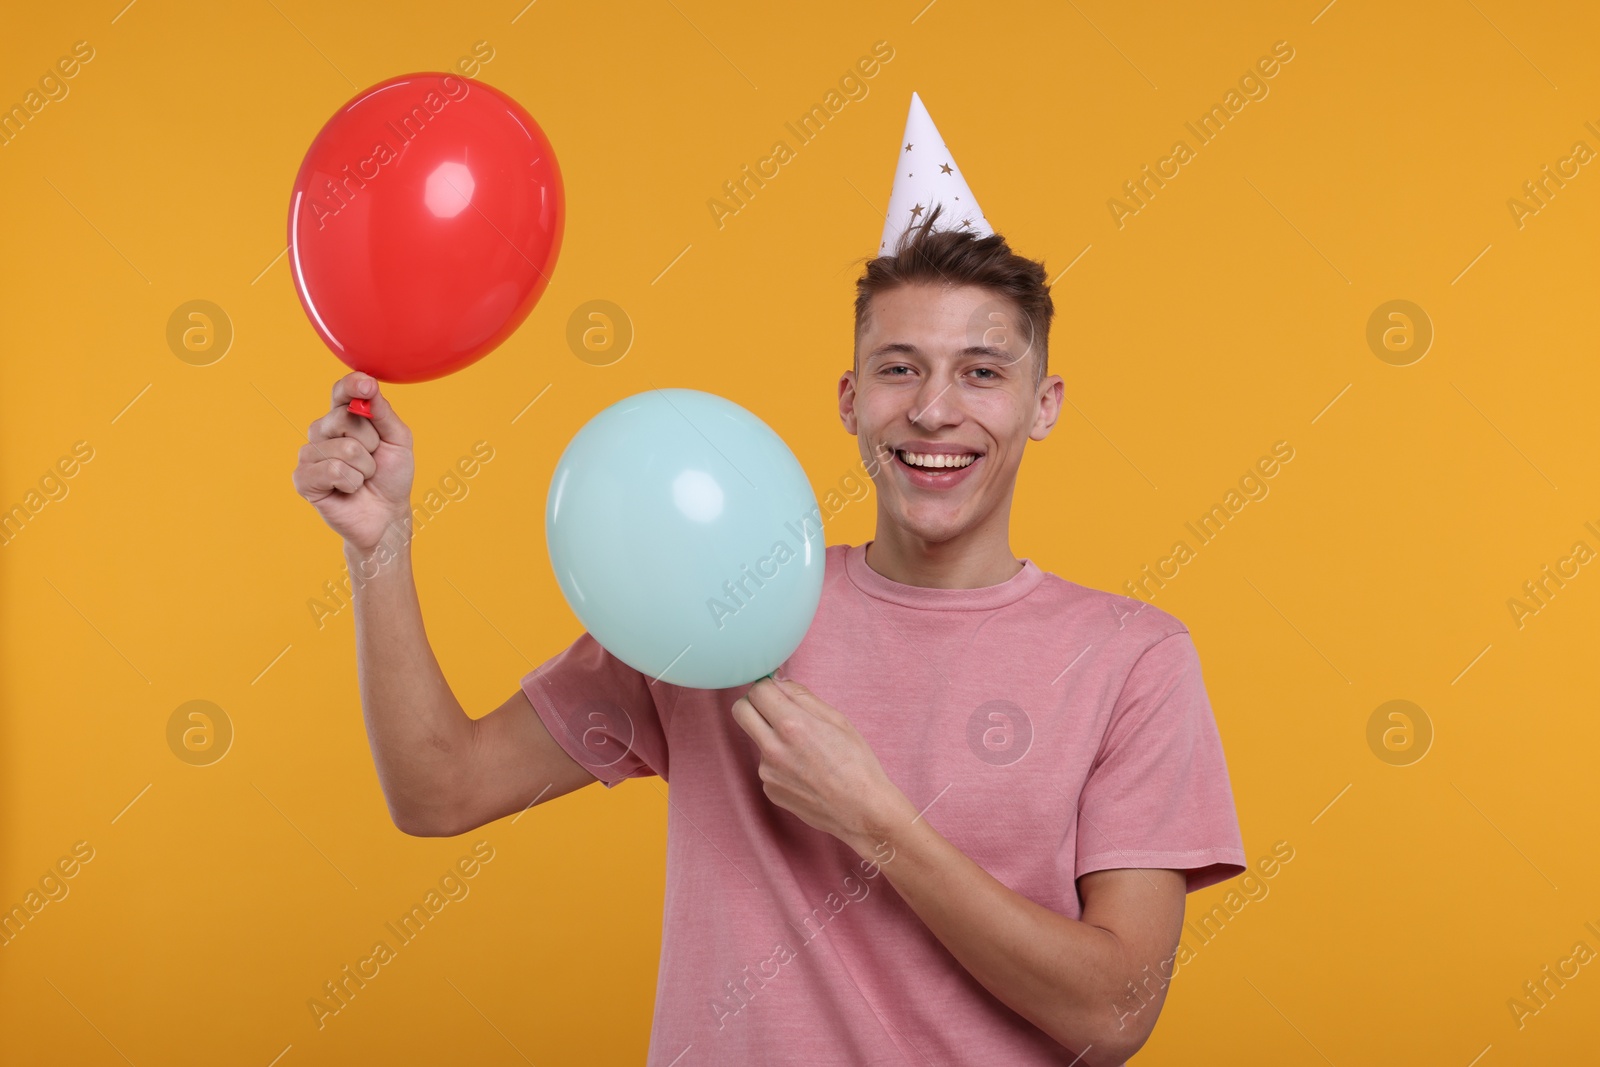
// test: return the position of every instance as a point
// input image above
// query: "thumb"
(386, 421)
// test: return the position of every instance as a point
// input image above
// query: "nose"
(934, 405)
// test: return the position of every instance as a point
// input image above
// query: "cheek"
(878, 410)
(1003, 422)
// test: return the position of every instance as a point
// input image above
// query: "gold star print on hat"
(925, 173)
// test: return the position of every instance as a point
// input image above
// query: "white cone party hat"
(925, 173)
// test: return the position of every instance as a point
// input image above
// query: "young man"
(960, 827)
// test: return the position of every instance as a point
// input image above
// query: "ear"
(1051, 392)
(847, 400)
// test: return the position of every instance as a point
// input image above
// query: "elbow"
(1112, 1044)
(1113, 1050)
(1111, 1040)
(1103, 1049)
(412, 826)
(435, 808)
(421, 822)
(1112, 1035)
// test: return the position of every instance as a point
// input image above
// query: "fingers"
(334, 463)
(383, 419)
(774, 708)
(384, 425)
(351, 386)
(319, 479)
(752, 723)
(800, 700)
(347, 450)
(340, 421)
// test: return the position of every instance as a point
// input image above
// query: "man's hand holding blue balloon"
(686, 537)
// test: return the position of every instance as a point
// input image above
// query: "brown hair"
(959, 257)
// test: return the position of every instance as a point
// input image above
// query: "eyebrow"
(899, 347)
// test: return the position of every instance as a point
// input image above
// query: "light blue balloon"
(686, 538)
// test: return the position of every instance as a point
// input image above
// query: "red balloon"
(424, 225)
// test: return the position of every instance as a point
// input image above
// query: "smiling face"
(942, 400)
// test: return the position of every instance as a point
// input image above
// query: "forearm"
(1060, 974)
(419, 733)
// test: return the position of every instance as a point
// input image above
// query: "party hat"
(925, 173)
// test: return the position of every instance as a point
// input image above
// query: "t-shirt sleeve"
(1158, 793)
(601, 711)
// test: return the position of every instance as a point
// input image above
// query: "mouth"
(940, 470)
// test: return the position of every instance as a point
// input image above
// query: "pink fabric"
(1046, 729)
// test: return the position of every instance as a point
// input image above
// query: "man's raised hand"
(357, 472)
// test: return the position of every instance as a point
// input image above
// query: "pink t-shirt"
(1047, 729)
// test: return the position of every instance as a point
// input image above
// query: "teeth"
(917, 459)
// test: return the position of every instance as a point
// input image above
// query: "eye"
(898, 366)
(994, 375)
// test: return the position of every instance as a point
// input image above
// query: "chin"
(932, 530)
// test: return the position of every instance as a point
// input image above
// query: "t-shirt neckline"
(869, 581)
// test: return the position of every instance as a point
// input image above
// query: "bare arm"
(1095, 984)
(442, 772)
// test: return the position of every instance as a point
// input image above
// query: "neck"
(974, 560)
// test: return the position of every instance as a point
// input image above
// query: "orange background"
(1231, 312)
